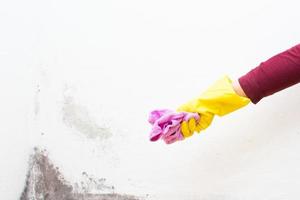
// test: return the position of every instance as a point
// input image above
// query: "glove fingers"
(192, 125)
(185, 129)
(205, 121)
(198, 128)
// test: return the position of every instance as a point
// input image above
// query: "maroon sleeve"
(273, 75)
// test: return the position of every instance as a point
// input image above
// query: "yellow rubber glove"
(219, 99)
(189, 127)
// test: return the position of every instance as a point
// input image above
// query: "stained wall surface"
(78, 79)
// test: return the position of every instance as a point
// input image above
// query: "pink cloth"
(166, 124)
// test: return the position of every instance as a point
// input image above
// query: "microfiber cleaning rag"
(166, 124)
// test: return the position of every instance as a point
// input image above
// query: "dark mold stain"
(45, 182)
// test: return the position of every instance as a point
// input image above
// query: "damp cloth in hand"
(167, 124)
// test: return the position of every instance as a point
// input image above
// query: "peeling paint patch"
(45, 182)
(77, 116)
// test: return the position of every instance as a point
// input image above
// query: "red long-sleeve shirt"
(277, 73)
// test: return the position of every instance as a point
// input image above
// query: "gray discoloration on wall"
(36, 100)
(45, 182)
(77, 116)
(90, 183)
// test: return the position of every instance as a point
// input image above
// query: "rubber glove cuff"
(219, 99)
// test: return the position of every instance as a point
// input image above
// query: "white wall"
(78, 78)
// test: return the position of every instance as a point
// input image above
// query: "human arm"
(225, 96)
(277, 73)
(238, 89)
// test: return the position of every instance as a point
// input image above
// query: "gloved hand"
(219, 99)
(167, 124)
